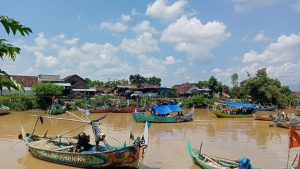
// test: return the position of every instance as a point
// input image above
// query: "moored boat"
(234, 110)
(79, 152)
(100, 109)
(209, 162)
(122, 109)
(296, 111)
(56, 108)
(164, 114)
(4, 110)
(258, 116)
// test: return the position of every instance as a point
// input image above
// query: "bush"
(19, 102)
(198, 101)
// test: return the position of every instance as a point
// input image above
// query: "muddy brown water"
(267, 147)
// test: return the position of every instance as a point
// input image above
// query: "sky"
(176, 40)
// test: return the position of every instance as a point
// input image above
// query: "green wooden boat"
(79, 153)
(164, 117)
(56, 108)
(225, 115)
(285, 124)
(209, 162)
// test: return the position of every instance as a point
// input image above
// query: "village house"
(189, 89)
(79, 86)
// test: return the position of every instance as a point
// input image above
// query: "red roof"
(25, 81)
(296, 94)
(183, 88)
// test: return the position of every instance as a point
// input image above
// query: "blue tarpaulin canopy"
(235, 104)
(166, 109)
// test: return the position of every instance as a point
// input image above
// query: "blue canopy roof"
(166, 109)
(236, 104)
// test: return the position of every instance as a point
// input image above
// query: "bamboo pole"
(59, 118)
(75, 115)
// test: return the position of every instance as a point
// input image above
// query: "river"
(267, 147)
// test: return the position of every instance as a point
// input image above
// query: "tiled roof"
(25, 81)
(183, 88)
(296, 94)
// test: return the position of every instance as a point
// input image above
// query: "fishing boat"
(122, 109)
(164, 114)
(258, 116)
(100, 109)
(77, 151)
(56, 108)
(285, 124)
(296, 111)
(234, 110)
(266, 107)
(4, 110)
(210, 162)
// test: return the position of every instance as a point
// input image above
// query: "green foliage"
(139, 79)
(214, 84)
(9, 50)
(263, 89)
(198, 101)
(47, 90)
(11, 25)
(234, 79)
(102, 100)
(203, 84)
(19, 102)
(113, 83)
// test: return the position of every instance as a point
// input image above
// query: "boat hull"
(207, 162)
(142, 117)
(127, 157)
(262, 117)
(95, 110)
(225, 115)
(283, 124)
(123, 110)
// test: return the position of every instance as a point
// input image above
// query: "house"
(79, 87)
(105, 90)
(26, 81)
(189, 89)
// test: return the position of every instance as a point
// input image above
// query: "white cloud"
(72, 42)
(125, 18)
(159, 9)
(150, 66)
(141, 44)
(194, 37)
(260, 37)
(40, 44)
(144, 26)
(169, 60)
(296, 5)
(44, 61)
(247, 5)
(114, 27)
(223, 74)
(285, 49)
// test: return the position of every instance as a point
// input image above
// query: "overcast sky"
(178, 41)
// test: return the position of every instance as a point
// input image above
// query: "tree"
(263, 89)
(154, 80)
(234, 79)
(139, 79)
(10, 51)
(214, 85)
(203, 84)
(45, 91)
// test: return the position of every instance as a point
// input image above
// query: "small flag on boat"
(294, 137)
(131, 136)
(41, 119)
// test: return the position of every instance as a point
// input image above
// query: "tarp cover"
(166, 109)
(235, 104)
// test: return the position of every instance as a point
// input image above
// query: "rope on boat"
(75, 116)
(113, 137)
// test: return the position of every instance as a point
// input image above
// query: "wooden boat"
(285, 124)
(56, 108)
(4, 110)
(80, 153)
(122, 109)
(163, 117)
(209, 162)
(225, 115)
(296, 111)
(102, 109)
(257, 116)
